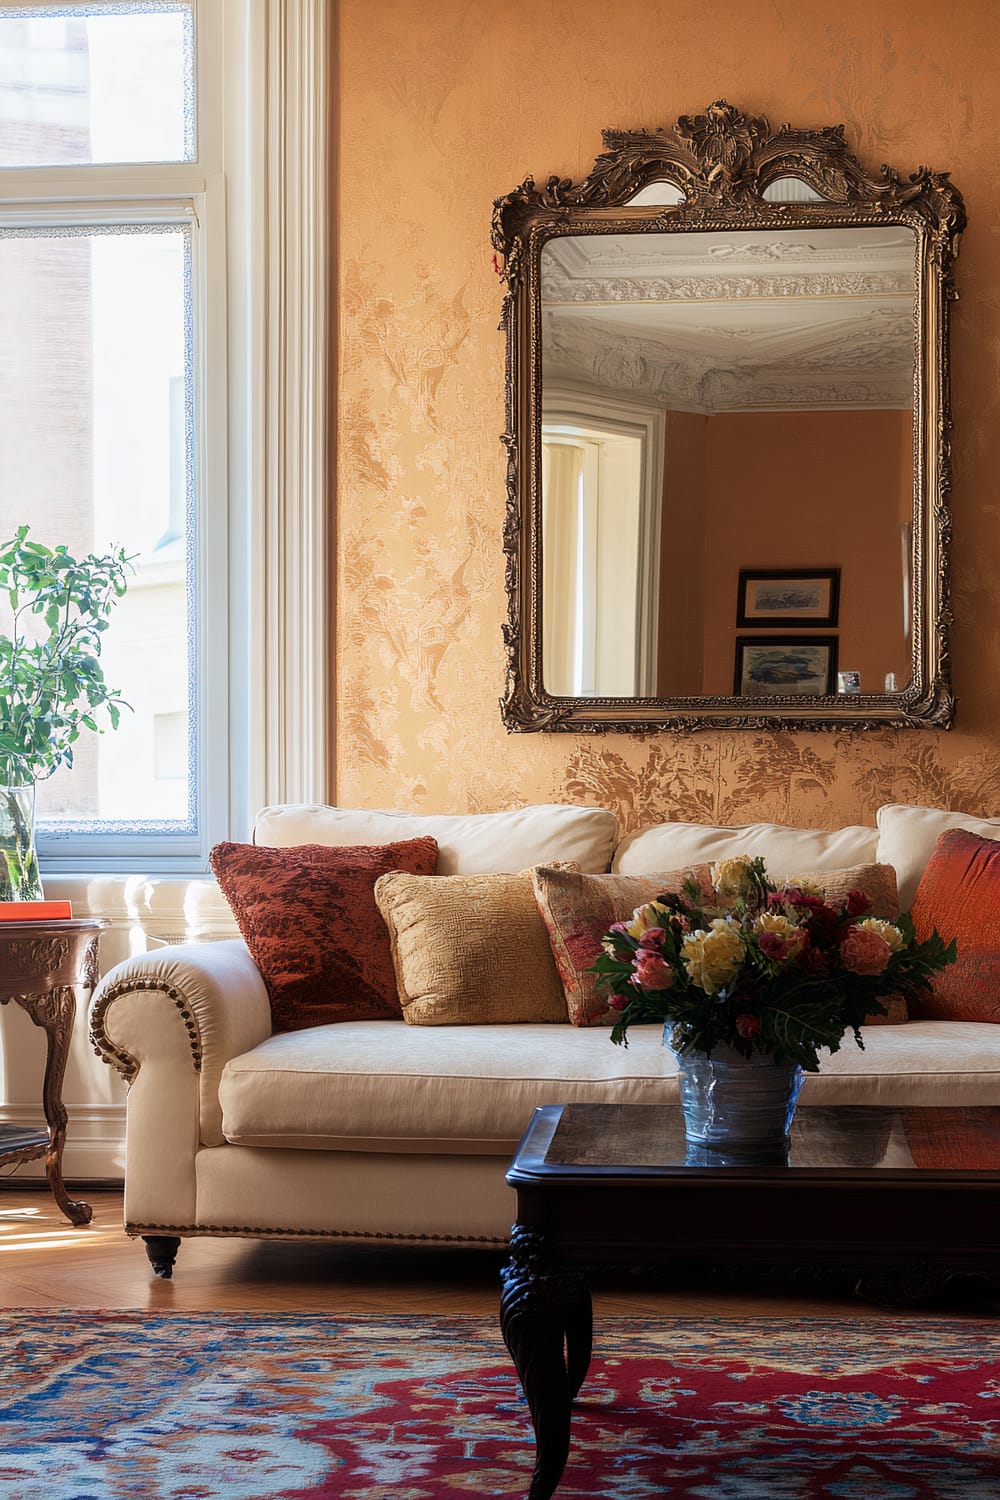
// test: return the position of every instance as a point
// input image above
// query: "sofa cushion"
(468, 843)
(671, 846)
(309, 919)
(384, 1086)
(907, 835)
(469, 950)
(959, 894)
(381, 1085)
(578, 910)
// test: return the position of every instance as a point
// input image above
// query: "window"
(109, 82)
(113, 400)
(602, 487)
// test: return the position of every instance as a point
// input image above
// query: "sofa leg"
(162, 1251)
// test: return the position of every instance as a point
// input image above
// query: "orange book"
(34, 911)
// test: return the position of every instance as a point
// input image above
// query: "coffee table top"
(641, 1141)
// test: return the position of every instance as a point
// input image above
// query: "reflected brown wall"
(825, 489)
(443, 107)
(681, 634)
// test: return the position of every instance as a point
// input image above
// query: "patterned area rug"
(284, 1407)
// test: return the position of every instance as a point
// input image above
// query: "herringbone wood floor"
(46, 1262)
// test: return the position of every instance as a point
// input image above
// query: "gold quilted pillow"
(469, 950)
(878, 883)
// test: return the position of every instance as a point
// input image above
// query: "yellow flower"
(713, 958)
(775, 921)
(886, 930)
(731, 877)
(807, 887)
(653, 914)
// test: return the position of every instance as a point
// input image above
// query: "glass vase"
(735, 1103)
(19, 876)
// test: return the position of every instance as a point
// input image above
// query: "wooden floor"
(46, 1262)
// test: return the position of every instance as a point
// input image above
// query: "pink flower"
(652, 972)
(864, 951)
(617, 1002)
(748, 1026)
(652, 937)
(779, 946)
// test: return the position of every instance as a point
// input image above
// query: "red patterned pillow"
(959, 894)
(309, 918)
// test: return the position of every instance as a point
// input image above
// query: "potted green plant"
(51, 681)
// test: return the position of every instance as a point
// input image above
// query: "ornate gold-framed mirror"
(728, 435)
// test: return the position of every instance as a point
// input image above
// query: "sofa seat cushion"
(468, 843)
(385, 1086)
(932, 1063)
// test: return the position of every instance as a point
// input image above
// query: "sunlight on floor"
(27, 1229)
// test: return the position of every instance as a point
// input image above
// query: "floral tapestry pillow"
(309, 918)
(578, 910)
(959, 894)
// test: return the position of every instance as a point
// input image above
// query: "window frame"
(192, 193)
(260, 184)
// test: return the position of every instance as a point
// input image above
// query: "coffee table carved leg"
(545, 1318)
(54, 1012)
(162, 1251)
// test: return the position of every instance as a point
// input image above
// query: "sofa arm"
(177, 1016)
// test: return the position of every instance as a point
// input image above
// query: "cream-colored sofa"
(378, 1130)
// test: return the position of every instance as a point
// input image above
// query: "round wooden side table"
(40, 965)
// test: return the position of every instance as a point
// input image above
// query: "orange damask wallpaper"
(443, 106)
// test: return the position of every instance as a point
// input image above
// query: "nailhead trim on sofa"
(123, 1061)
(257, 1231)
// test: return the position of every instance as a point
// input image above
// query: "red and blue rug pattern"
(284, 1407)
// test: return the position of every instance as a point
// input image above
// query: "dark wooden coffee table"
(605, 1185)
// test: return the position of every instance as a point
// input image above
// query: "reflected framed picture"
(785, 666)
(786, 596)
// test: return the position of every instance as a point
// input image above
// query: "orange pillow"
(309, 918)
(578, 910)
(959, 894)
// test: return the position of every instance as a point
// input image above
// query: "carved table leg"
(545, 1318)
(162, 1251)
(54, 1013)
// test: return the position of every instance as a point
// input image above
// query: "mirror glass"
(727, 462)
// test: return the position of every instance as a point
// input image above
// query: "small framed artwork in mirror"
(786, 596)
(793, 666)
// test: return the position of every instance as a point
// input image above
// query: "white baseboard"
(95, 1141)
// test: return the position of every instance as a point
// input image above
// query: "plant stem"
(21, 880)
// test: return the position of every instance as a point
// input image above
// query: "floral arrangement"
(760, 967)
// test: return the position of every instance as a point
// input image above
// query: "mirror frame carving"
(723, 161)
